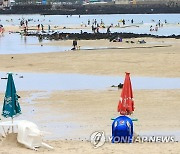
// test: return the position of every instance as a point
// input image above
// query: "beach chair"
(30, 136)
(6, 125)
(28, 133)
(122, 130)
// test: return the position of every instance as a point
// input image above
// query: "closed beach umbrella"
(126, 102)
(11, 107)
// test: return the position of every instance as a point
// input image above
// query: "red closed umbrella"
(126, 102)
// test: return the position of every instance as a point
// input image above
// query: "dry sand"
(140, 60)
(11, 146)
(157, 110)
(67, 147)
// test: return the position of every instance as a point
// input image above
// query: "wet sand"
(84, 112)
(16, 28)
(88, 110)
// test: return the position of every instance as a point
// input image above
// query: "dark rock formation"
(92, 36)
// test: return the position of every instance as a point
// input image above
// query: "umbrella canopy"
(126, 102)
(11, 107)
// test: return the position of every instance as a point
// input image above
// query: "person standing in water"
(42, 27)
(108, 30)
(132, 21)
(123, 21)
(74, 44)
(88, 22)
(49, 28)
(38, 26)
(159, 23)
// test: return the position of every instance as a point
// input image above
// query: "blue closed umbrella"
(11, 107)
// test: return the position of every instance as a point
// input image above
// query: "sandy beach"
(92, 111)
(67, 147)
(83, 112)
(158, 57)
(33, 27)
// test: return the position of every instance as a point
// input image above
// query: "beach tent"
(11, 107)
(126, 102)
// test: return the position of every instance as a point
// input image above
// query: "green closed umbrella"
(11, 107)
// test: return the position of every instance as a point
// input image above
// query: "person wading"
(74, 45)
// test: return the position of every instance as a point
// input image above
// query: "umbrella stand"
(133, 119)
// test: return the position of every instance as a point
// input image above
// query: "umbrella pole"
(12, 126)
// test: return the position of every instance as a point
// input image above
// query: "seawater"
(16, 44)
(144, 21)
(54, 81)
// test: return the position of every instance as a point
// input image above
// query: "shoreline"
(56, 33)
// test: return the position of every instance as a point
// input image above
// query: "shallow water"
(32, 97)
(17, 44)
(30, 44)
(171, 28)
(52, 82)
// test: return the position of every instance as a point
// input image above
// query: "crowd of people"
(158, 25)
(95, 24)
